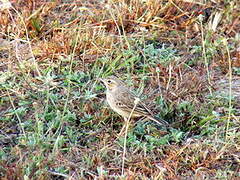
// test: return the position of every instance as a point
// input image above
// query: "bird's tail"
(159, 121)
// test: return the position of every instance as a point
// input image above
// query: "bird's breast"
(112, 103)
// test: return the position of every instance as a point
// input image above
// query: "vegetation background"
(183, 57)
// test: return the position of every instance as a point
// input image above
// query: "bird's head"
(112, 82)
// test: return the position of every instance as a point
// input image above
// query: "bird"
(121, 100)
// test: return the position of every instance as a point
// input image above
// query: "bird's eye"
(109, 81)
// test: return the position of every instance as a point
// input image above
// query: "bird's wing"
(127, 103)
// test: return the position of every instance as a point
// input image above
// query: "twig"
(125, 136)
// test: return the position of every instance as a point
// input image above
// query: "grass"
(55, 123)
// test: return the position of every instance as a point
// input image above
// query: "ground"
(181, 57)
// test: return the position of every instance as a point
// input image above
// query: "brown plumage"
(122, 100)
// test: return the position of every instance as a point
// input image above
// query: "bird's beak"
(100, 79)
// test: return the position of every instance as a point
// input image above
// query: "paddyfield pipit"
(122, 101)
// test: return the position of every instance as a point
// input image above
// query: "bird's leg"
(127, 120)
(124, 126)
